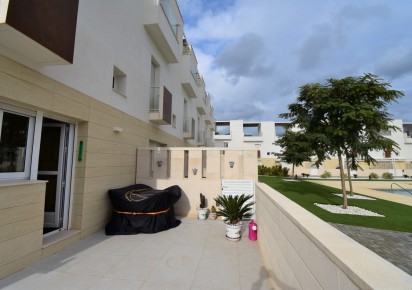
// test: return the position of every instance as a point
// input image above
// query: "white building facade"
(83, 84)
(262, 136)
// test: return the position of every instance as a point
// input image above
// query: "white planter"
(212, 215)
(202, 213)
(234, 232)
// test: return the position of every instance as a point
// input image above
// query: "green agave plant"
(234, 207)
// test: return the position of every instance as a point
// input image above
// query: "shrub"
(373, 175)
(276, 170)
(326, 174)
(387, 175)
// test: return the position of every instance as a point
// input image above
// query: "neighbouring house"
(262, 136)
(83, 84)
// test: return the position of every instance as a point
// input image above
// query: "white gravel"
(353, 210)
(355, 196)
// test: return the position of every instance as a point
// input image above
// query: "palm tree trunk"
(293, 171)
(350, 181)
(342, 181)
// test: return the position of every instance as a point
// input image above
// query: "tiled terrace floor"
(194, 255)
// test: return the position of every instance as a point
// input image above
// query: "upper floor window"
(119, 81)
(222, 128)
(251, 129)
(16, 142)
(279, 130)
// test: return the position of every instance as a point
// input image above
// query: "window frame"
(29, 145)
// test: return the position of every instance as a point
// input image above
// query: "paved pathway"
(396, 247)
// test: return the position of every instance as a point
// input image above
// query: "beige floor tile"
(134, 268)
(193, 251)
(94, 265)
(227, 252)
(106, 283)
(175, 270)
(150, 285)
(154, 249)
(221, 275)
(61, 261)
(51, 281)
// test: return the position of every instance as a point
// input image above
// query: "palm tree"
(234, 207)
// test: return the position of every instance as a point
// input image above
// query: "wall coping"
(365, 268)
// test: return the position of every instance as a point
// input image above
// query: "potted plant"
(234, 208)
(213, 214)
(202, 209)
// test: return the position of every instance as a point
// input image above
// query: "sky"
(254, 55)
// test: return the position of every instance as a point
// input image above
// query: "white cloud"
(254, 55)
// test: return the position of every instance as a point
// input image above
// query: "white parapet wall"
(303, 252)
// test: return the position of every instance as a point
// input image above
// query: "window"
(251, 129)
(174, 121)
(279, 130)
(16, 141)
(222, 128)
(119, 81)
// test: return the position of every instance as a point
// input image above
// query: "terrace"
(194, 255)
(295, 249)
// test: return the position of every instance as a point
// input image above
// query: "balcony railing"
(201, 137)
(167, 9)
(188, 128)
(154, 99)
(160, 106)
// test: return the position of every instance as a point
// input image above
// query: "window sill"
(119, 92)
(15, 182)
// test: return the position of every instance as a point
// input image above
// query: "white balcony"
(164, 23)
(201, 140)
(253, 138)
(201, 106)
(189, 78)
(160, 109)
(189, 128)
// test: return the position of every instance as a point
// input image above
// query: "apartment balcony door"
(55, 163)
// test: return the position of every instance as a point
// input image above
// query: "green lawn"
(398, 217)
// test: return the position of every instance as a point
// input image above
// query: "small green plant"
(326, 174)
(387, 175)
(202, 201)
(406, 175)
(213, 209)
(373, 175)
(305, 175)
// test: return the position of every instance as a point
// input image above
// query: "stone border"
(352, 210)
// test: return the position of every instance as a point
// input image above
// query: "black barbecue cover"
(141, 209)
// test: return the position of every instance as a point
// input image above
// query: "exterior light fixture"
(159, 163)
(194, 170)
(231, 164)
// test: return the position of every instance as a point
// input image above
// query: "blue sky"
(254, 55)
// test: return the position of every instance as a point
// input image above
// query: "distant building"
(262, 136)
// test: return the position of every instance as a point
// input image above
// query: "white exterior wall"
(112, 33)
